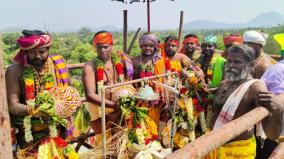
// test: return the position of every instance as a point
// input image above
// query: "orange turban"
(103, 38)
(233, 39)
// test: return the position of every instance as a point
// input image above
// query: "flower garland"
(56, 147)
(28, 129)
(146, 71)
(32, 82)
(100, 65)
(142, 129)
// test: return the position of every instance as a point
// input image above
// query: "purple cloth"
(125, 59)
(151, 38)
(274, 78)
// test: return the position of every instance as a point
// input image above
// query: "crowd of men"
(243, 75)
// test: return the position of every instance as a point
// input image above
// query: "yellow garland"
(189, 109)
(28, 129)
(203, 122)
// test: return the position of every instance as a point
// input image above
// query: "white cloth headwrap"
(255, 36)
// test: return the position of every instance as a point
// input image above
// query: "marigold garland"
(100, 65)
(29, 77)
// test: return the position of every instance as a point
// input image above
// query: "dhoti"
(242, 149)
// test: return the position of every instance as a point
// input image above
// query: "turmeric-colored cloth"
(161, 69)
(160, 64)
(153, 111)
(242, 149)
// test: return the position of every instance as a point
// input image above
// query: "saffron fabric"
(103, 38)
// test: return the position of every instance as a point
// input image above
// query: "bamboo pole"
(208, 142)
(139, 80)
(5, 128)
(278, 153)
(125, 31)
(174, 90)
(133, 41)
(74, 66)
(148, 15)
(180, 26)
(103, 122)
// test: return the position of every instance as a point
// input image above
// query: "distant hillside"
(269, 19)
(14, 29)
(263, 20)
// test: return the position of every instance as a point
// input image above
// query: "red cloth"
(191, 40)
(173, 41)
(31, 42)
(233, 39)
(103, 38)
(187, 41)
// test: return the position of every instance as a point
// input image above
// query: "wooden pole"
(133, 41)
(74, 66)
(148, 15)
(103, 108)
(278, 153)
(5, 128)
(209, 142)
(180, 26)
(125, 31)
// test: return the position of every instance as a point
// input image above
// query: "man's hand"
(114, 105)
(271, 101)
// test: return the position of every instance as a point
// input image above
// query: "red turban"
(233, 39)
(103, 38)
(187, 41)
(31, 42)
(190, 40)
(173, 41)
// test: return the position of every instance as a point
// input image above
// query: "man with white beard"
(235, 97)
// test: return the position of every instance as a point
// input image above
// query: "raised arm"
(89, 83)
(13, 78)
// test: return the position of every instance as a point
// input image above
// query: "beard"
(170, 53)
(231, 74)
(37, 63)
(190, 50)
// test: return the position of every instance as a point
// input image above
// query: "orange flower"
(193, 81)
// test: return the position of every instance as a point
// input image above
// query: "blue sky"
(70, 14)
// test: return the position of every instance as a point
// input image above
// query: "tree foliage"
(77, 47)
